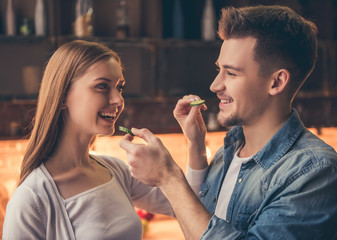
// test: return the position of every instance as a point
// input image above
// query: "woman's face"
(94, 101)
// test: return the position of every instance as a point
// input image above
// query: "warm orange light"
(11, 152)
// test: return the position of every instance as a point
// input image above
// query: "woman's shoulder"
(119, 170)
(36, 180)
(26, 199)
(116, 165)
(30, 188)
(26, 211)
(111, 161)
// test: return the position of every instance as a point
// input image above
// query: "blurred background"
(168, 48)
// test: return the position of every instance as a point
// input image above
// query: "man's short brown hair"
(284, 38)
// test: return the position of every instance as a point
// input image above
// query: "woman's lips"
(108, 116)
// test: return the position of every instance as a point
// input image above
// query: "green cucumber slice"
(126, 130)
(197, 103)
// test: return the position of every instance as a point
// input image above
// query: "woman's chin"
(107, 132)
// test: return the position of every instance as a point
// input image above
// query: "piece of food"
(197, 103)
(124, 129)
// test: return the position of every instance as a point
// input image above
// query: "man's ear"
(280, 79)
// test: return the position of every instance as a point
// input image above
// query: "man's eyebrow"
(229, 67)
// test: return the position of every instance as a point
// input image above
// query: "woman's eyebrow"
(102, 78)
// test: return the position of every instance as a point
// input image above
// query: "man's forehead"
(236, 47)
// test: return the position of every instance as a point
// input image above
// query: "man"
(272, 179)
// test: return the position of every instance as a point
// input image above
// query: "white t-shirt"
(196, 178)
(103, 211)
(228, 185)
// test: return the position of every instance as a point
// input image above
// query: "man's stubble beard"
(230, 121)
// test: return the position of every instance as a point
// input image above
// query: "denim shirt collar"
(276, 147)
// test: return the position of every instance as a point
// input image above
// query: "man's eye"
(231, 74)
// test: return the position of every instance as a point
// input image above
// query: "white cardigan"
(37, 210)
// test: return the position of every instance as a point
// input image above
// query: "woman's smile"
(109, 117)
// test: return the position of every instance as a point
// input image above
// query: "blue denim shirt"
(286, 191)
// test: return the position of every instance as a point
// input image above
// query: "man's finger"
(144, 133)
(126, 144)
(184, 103)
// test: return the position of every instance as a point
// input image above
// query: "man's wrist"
(175, 177)
(197, 155)
(198, 146)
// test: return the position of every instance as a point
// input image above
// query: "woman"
(64, 192)
(3, 203)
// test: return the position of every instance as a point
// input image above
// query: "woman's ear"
(280, 79)
(64, 105)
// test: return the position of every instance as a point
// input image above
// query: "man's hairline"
(261, 73)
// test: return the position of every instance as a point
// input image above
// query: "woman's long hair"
(67, 64)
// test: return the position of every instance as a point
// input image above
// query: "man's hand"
(190, 118)
(150, 163)
(194, 128)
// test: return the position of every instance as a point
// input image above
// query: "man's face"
(238, 85)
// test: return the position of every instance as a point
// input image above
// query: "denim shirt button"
(214, 199)
(240, 180)
(227, 220)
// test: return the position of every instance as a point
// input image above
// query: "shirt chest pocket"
(244, 219)
(208, 196)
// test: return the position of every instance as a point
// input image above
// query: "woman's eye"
(102, 86)
(120, 88)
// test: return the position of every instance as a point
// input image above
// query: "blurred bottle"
(208, 22)
(26, 27)
(177, 20)
(40, 18)
(122, 20)
(83, 22)
(1, 29)
(10, 19)
(15, 128)
(212, 123)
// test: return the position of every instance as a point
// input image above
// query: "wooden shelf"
(23, 39)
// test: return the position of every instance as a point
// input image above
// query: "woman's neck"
(72, 152)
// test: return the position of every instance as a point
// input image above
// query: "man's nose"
(217, 84)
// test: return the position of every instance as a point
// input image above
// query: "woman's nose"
(116, 98)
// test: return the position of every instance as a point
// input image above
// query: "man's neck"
(257, 135)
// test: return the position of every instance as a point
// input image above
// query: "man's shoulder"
(309, 158)
(313, 149)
